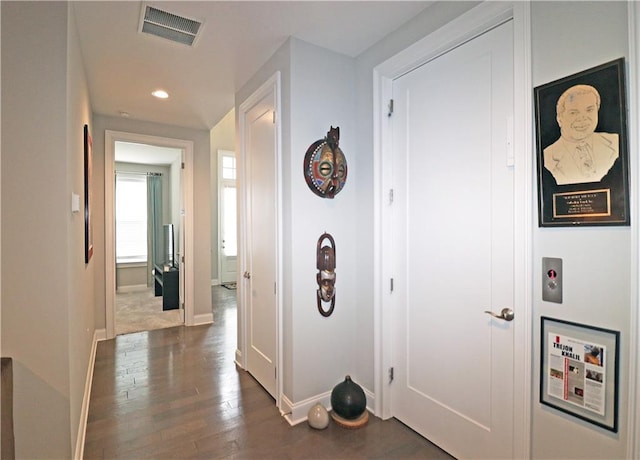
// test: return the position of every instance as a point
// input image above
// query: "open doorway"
(147, 222)
(227, 219)
(179, 225)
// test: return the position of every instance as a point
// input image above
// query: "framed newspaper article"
(579, 371)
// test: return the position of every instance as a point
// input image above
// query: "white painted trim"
(132, 288)
(84, 411)
(633, 91)
(109, 234)
(131, 264)
(215, 282)
(523, 228)
(295, 413)
(277, 81)
(203, 318)
(286, 409)
(241, 300)
(100, 334)
(299, 412)
(458, 31)
(382, 89)
(272, 84)
(462, 29)
(187, 194)
(189, 229)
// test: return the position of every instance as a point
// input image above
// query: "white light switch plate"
(75, 202)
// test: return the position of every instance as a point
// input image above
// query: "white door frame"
(462, 29)
(633, 447)
(111, 137)
(272, 84)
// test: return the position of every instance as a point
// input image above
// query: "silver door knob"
(506, 314)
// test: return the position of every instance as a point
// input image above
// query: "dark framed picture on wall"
(582, 148)
(88, 230)
(579, 371)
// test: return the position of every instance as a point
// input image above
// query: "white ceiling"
(124, 66)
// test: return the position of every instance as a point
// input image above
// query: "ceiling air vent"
(170, 26)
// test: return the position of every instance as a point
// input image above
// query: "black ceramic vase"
(348, 399)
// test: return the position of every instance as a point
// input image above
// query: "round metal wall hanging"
(325, 166)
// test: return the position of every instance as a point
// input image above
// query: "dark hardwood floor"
(176, 393)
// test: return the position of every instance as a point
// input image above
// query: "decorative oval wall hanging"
(325, 166)
(326, 277)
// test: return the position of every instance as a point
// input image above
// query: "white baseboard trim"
(295, 413)
(298, 412)
(98, 335)
(132, 288)
(238, 360)
(204, 318)
(286, 409)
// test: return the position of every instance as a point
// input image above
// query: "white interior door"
(261, 245)
(453, 248)
(182, 243)
(227, 217)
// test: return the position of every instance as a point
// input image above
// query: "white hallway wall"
(596, 261)
(48, 330)
(317, 350)
(223, 137)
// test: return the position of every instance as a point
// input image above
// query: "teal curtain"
(154, 223)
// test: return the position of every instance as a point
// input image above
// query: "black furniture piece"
(167, 285)
(8, 449)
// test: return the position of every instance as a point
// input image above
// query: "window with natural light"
(229, 228)
(131, 218)
(228, 167)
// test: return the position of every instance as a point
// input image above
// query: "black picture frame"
(579, 371)
(566, 197)
(88, 169)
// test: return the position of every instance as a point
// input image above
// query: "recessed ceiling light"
(160, 94)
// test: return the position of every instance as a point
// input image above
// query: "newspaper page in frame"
(576, 372)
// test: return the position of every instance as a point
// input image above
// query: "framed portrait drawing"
(582, 148)
(88, 230)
